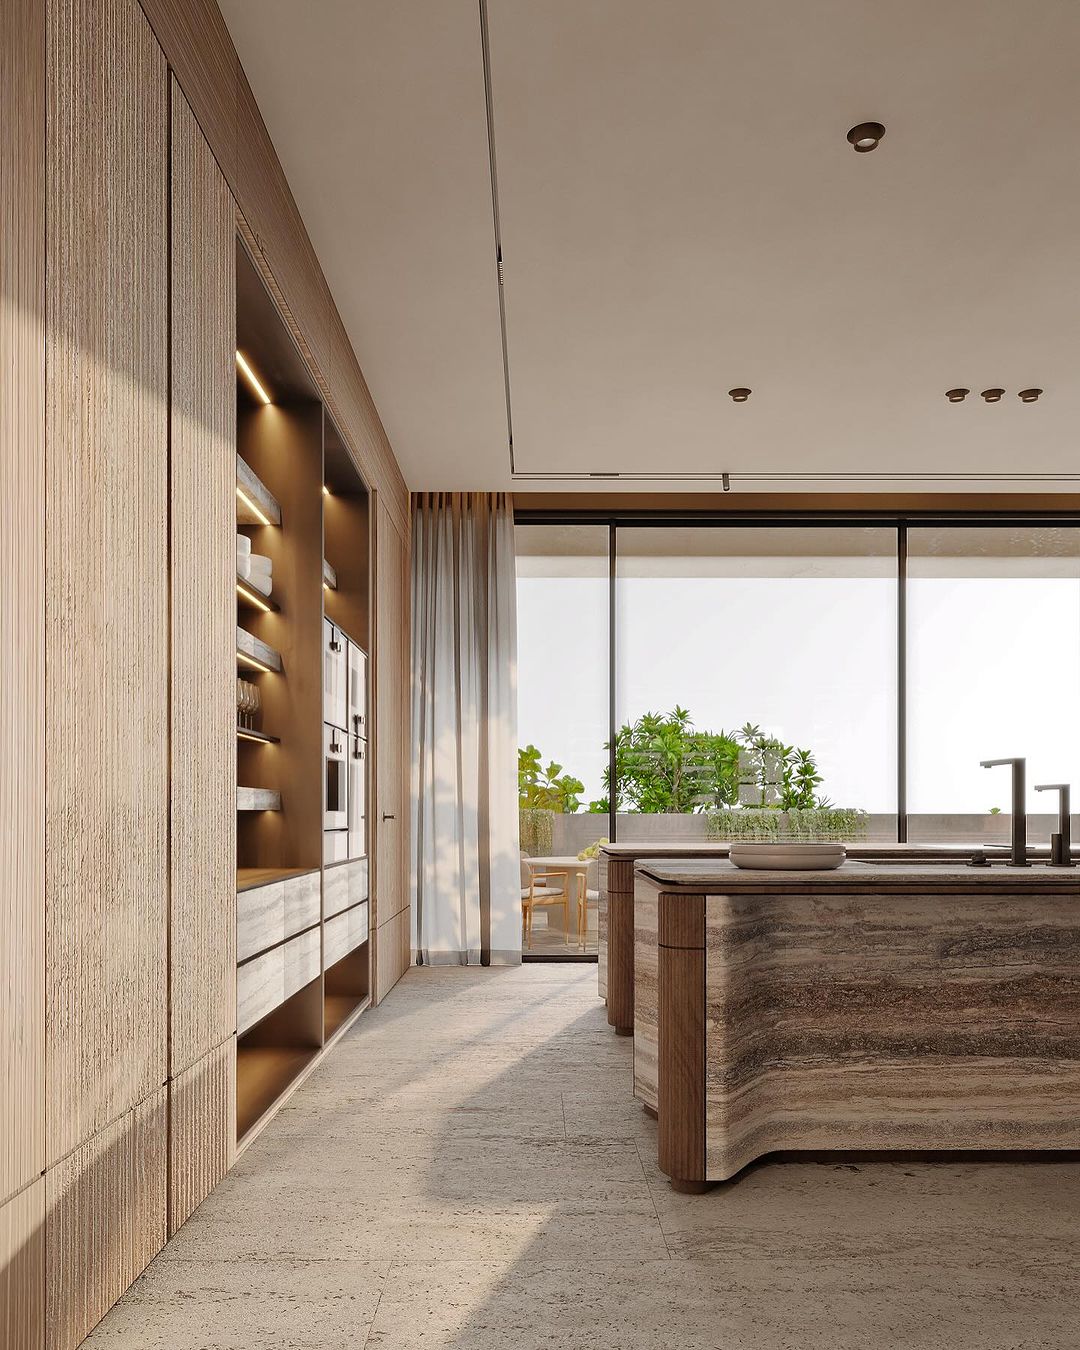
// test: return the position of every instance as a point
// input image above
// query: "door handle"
(335, 747)
(388, 817)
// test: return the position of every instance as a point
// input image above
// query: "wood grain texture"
(196, 40)
(391, 718)
(646, 994)
(344, 885)
(266, 982)
(200, 50)
(202, 1130)
(22, 1269)
(267, 915)
(22, 593)
(272, 216)
(353, 407)
(202, 473)
(393, 955)
(106, 608)
(106, 1205)
(344, 933)
(891, 1021)
(619, 943)
(681, 1062)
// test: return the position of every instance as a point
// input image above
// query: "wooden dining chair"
(537, 893)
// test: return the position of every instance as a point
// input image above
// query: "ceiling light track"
(489, 108)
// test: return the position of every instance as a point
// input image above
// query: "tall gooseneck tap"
(1019, 807)
(1060, 843)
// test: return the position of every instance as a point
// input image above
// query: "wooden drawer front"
(358, 881)
(345, 886)
(344, 933)
(302, 899)
(335, 890)
(260, 919)
(265, 983)
(302, 957)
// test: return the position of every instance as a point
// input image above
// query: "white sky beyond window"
(728, 625)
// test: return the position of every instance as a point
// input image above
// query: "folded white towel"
(262, 584)
(243, 544)
(261, 563)
(243, 566)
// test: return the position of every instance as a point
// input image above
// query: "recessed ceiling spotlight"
(866, 137)
(992, 395)
(957, 395)
(1029, 395)
(739, 395)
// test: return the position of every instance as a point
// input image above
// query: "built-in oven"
(336, 780)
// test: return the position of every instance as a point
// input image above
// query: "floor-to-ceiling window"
(563, 718)
(827, 679)
(993, 623)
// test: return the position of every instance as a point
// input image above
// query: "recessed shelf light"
(992, 395)
(253, 507)
(739, 395)
(253, 380)
(251, 596)
(1029, 395)
(326, 490)
(252, 663)
(865, 137)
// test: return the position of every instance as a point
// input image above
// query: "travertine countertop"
(677, 848)
(719, 876)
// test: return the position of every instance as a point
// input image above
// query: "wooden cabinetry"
(118, 1057)
(22, 602)
(392, 718)
(202, 414)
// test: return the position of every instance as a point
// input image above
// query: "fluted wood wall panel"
(106, 1220)
(202, 1130)
(392, 688)
(106, 608)
(22, 1269)
(22, 594)
(202, 960)
(200, 50)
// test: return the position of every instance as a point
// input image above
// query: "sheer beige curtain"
(465, 858)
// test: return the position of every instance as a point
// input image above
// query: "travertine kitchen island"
(878, 1006)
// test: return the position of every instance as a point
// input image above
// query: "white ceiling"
(680, 213)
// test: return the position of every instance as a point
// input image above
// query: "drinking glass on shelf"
(256, 702)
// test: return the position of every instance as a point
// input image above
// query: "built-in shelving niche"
(302, 503)
(279, 478)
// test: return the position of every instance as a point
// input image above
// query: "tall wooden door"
(106, 669)
(22, 673)
(202, 566)
(392, 720)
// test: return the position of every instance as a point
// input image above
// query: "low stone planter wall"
(571, 834)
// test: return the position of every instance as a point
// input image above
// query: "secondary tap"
(1060, 843)
(1019, 807)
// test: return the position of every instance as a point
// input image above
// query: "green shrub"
(820, 823)
(536, 828)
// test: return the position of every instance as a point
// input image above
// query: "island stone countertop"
(922, 874)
